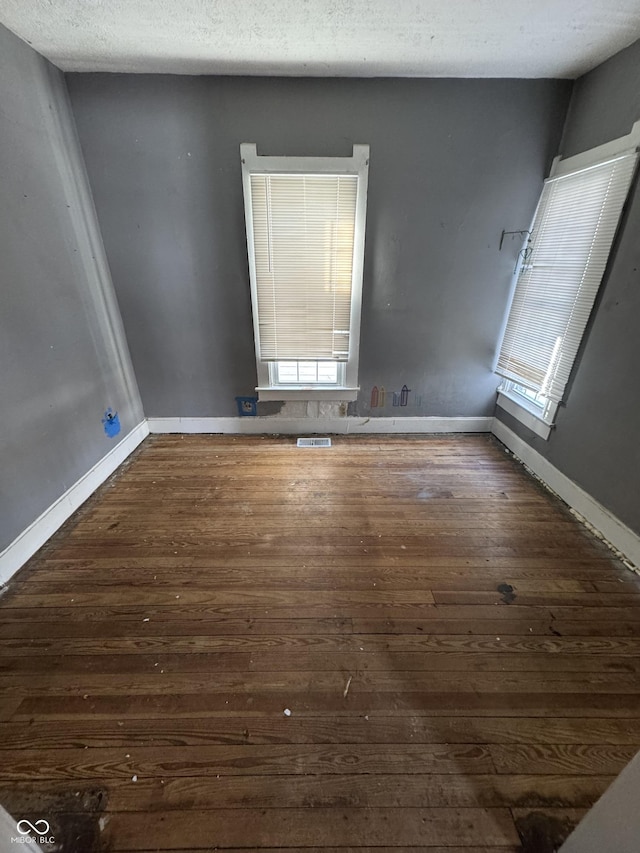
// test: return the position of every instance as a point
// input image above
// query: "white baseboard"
(34, 537)
(611, 528)
(274, 425)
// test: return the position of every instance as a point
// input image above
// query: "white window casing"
(305, 220)
(571, 238)
(538, 419)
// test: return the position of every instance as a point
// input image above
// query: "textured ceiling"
(359, 38)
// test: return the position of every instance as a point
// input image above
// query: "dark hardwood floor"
(459, 657)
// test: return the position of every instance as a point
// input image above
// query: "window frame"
(541, 418)
(358, 165)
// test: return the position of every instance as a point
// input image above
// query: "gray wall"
(453, 163)
(597, 438)
(63, 358)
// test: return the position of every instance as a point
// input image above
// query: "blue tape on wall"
(111, 423)
(247, 406)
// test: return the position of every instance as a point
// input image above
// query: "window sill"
(527, 415)
(308, 392)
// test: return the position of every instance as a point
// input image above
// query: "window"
(305, 219)
(571, 238)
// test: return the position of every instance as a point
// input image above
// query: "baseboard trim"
(34, 537)
(312, 426)
(621, 537)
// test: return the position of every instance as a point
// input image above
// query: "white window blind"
(572, 234)
(303, 242)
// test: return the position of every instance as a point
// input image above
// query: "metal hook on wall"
(525, 253)
(512, 234)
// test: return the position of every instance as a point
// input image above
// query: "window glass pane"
(327, 371)
(533, 397)
(287, 371)
(308, 371)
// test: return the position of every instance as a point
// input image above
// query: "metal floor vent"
(314, 442)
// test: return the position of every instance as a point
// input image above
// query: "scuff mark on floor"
(507, 593)
(542, 833)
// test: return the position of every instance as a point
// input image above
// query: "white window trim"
(613, 148)
(541, 420)
(357, 164)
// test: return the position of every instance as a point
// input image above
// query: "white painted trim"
(273, 425)
(525, 416)
(265, 164)
(34, 537)
(608, 151)
(611, 528)
(357, 165)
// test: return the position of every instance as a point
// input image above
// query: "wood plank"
(414, 547)
(70, 581)
(73, 640)
(375, 791)
(550, 627)
(241, 630)
(111, 515)
(377, 849)
(150, 762)
(562, 758)
(294, 685)
(182, 598)
(561, 563)
(305, 660)
(524, 599)
(408, 703)
(254, 728)
(414, 791)
(360, 849)
(238, 631)
(8, 707)
(338, 609)
(340, 827)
